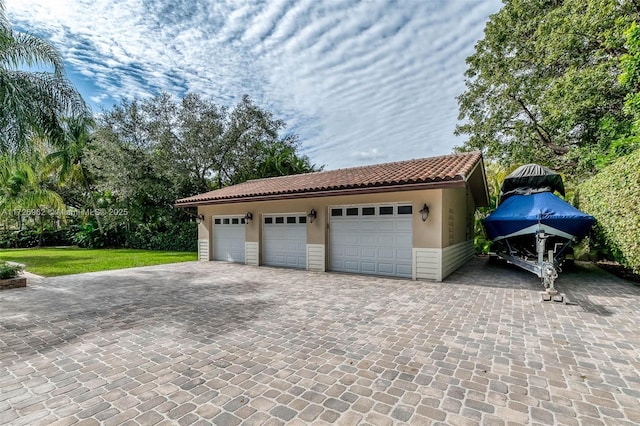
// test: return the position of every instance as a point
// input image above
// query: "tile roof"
(425, 171)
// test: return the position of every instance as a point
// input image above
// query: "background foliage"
(113, 182)
(33, 102)
(617, 209)
(558, 83)
(543, 85)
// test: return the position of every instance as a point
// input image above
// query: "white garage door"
(229, 235)
(285, 240)
(375, 240)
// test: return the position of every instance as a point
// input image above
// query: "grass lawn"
(51, 262)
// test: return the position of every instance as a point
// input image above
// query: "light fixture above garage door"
(424, 212)
(312, 215)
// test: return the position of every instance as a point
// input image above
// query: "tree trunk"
(40, 235)
(93, 203)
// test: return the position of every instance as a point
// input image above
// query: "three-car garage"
(409, 219)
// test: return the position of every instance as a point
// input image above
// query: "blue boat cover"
(519, 212)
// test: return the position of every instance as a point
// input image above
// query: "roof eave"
(483, 198)
(458, 181)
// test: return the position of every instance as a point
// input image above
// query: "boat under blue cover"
(521, 215)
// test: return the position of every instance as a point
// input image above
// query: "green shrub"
(164, 235)
(613, 198)
(9, 271)
(171, 236)
(481, 243)
(27, 238)
(89, 236)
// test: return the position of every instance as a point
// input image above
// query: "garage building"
(411, 219)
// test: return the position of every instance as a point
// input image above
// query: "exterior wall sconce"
(248, 217)
(424, 212)
(312, 215)
(199, 219)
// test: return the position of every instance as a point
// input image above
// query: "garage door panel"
(386, 225)
(341, 265)
(403, 240)
(351, 251)
(404, 254)
(404, 226)
(351, 265)
(385, 253)
(342, 238)
(376, 244)
(344, 225)
(368, 252)
(351, 239)
(229, 242)
(285, 244)
(295, 261)
(367, 239)
(368, 226)
(291, 246)
(386, 268)
(385, 240)
(368, 267)
(404, 270)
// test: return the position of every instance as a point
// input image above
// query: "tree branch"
(543, 135)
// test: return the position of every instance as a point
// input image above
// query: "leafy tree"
(70, 155)
(191, 146)
(33, 101)
(252, 147)
(214, 145)
(128, 168)
(189, 136)
(148, 153)
(25, 183)
(26, 190)
(279, 159)
(630, 81)
(630, 77)
(542, 84)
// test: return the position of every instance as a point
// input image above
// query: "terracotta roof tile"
(454, 167)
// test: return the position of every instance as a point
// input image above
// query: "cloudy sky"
(360, 82)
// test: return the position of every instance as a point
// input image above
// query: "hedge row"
(27, 238)
(174, 236)
(613, 198)
(179, 236)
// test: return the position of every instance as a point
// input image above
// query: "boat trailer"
(534, 229)
(546, 263)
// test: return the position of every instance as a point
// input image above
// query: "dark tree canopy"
(154, 151)
(543, 84)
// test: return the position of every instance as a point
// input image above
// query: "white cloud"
(374, 78)
(368, 157)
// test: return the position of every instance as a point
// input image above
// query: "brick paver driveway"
(203, 343)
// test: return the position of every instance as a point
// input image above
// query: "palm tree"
(32, 102)
(24, 188)
(70, 156)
